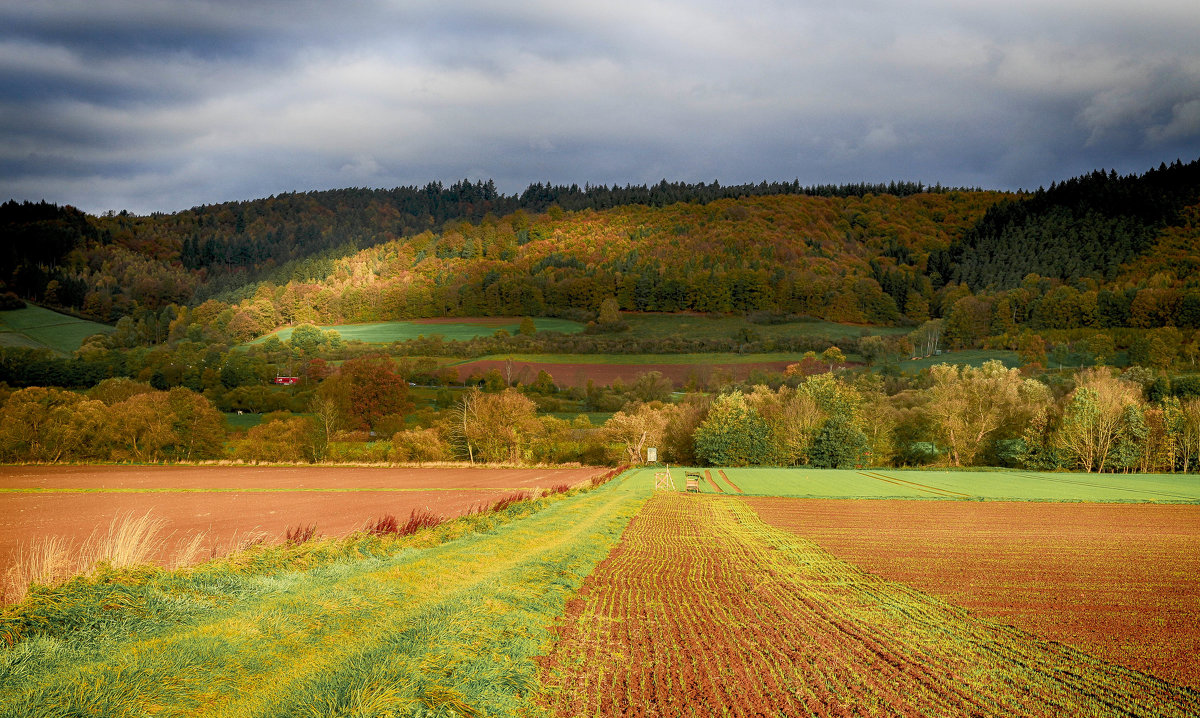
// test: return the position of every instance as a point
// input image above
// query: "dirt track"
(72, 501)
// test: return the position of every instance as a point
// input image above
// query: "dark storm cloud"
(161, 105)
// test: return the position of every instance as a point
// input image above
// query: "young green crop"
(961, 485)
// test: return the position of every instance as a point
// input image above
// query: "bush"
(419, 445)
(839, 444)
(733, 434)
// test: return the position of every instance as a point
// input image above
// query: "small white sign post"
(651, 455)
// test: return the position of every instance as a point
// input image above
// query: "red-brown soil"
(1118, 581)
(285, 477)
(605, 374)
(72, 501)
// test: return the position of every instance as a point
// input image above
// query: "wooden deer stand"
(663, 480)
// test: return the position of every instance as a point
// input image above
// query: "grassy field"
(974, 485)
(36, 327)
(388, 332)
(971, 357)
(641, 326)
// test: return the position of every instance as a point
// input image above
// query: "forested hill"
(864, 253)
(1086, 227)
(112, 265)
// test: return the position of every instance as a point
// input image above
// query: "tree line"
(1095, 419)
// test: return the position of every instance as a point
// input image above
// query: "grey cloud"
(152, 105)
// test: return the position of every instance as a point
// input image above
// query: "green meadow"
(966, 357)
(961, 485)
(388, 332)
(40, 328)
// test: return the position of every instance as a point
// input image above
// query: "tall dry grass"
(129, 540)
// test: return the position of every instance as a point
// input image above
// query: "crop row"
(702, 609)
(1117, 581)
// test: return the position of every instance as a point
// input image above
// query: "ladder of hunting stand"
(664, 481)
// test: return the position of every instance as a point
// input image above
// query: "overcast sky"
(158, 106)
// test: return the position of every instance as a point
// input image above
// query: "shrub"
(733, 434)
(839, 444)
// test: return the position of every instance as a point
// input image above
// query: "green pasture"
(966, 357)
(694, 326)
(40, 328)
(245, 420)
(596, 418)
(960, 485)
(388, 332)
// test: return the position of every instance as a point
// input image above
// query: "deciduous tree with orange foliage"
(367, 389)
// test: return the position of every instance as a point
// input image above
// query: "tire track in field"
(721, 472)
(947, 493)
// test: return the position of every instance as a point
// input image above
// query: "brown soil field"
(286, 477)
(228, 502)
(1118, 581)
(605, 374)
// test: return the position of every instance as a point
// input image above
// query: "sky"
(158, 106)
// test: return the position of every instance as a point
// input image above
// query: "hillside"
(867, 254)
(842, 259)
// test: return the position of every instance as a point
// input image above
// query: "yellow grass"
(129, 540)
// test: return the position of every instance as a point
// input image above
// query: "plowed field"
(702, 609)
(224, 501)
(1118, 581)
